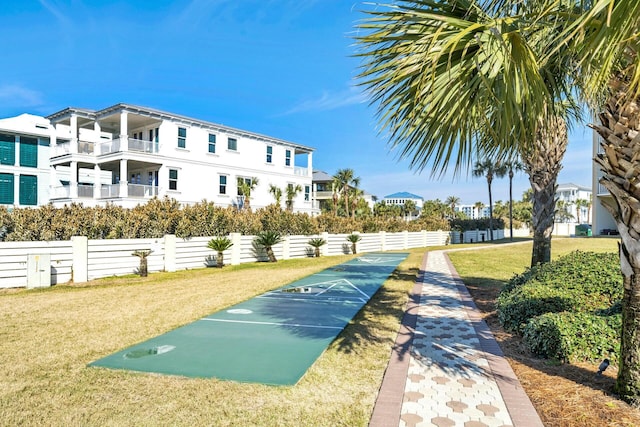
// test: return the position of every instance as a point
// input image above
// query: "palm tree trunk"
(620, 130)
(490, 208)
(220, 260)
(511, 205)
(543, 162)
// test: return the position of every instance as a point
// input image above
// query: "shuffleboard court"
(272, 338)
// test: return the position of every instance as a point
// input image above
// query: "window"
(248, 181)
(232, 144)
(28, 152)
(182, 137)
(307, 191)
(7, 150)
(6, 188)
(173, 179)
(28, 190)
(287, 158)
(223, 184)
(269, 153)
(212, 143)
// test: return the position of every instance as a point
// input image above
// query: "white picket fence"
(81, 259)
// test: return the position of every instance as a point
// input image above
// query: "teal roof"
(403, 195)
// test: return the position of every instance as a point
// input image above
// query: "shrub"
(571, 337)
(580, 281)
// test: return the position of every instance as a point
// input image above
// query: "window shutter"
(28, 152)
(6, 188)
(7, 149)
(28, 190)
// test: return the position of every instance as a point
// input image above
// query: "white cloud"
(18, 96)
(55, 11)
(329, 101)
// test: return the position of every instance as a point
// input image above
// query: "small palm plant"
(143, 269)
(220, 244)
(354, 238)
(317, 242)
(268, 239)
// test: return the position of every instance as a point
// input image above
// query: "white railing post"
(383, 241)
(236, 239)
(169, 252)
(286, 247)
(80, 259)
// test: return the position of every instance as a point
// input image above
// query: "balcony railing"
(300, 171)
(85, 190)
(602, 191)
(63, 192)
(136, 145)
(146, 191)
(85, 147)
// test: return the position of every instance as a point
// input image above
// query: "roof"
(403, 195)
(572, 186)
(321, 176)
(163, 115)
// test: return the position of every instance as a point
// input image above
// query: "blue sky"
(284, 68)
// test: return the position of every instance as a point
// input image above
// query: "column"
(73, 178)
(310, 164)
(124, 131)
(74, 133)
(124, 178)
(16, 189)
(97, 184)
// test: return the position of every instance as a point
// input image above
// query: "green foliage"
(568, 309)
(316, 243)
(571, 337)
(268, 239)
(354, 238)
(476, 224)
(220, 244)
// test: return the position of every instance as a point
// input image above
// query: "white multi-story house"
(570, 194)
(323, 192)
(400, 198)
(24, 161)
(126, 154)
(473, 212)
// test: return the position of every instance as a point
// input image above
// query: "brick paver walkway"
(447, 369)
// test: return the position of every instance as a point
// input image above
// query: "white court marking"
(331, 283)
(239, 311)
(378, 260)
(274, 324)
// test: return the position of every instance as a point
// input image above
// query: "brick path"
(446, 369)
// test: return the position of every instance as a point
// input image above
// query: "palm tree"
(292, 191)
(245, 187)
(452, 202)
(143, 254)
(276, 192)
(487, 168)
(512, 166)
(418, 52)
(354, 238)
(316, 243)
(454, 79)
(478, 206)
(220, 244)
(268, 239)
(409, 208)
(579, 204)
(346, 179)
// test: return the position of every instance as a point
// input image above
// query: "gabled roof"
(403, 195)
(321, 176)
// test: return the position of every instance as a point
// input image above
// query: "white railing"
(61, 149)
(300, 171)
(142, 146)
(137, 190)
(110, 190)
(112, 146)
(86, 147)
(62, 192)
(85, 190)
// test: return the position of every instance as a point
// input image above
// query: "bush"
(571, 337)
(580, 281)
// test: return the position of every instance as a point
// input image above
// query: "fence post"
(383, 241)
(79, 259)
(236, 239)
(324, 249)
(169, 252)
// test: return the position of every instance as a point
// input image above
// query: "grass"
(49, 336)
(564, 395)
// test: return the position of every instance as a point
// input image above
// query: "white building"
(400, 198)
(570, 194)
(24, 161)
(125, 154)
(473, 212)
(603, 222)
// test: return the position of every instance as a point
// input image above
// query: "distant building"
(472, 212)
(399, 199)
(323, 192)
(569, 194)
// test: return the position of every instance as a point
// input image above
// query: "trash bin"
(583, 230)
(589, 233)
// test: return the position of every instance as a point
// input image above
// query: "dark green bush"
(579, 281)
(572, 337)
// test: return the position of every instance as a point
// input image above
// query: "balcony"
(106, 147)
(300, 171)
(85, 191)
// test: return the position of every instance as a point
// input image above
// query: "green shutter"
(6, 188)
(28, 152)
(28, 190)
(7, 149)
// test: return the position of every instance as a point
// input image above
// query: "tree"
(562, 211)
(292, 192)
(579, 204)
(354, 238)
(268, 239)
(409, 208)
(456, 80)
(489, 169)
(220, 244)
(316, 243)
(276, 192)
(345, 180)
(452, 202)
(245, 187)
(512, 166)
(478, 206)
